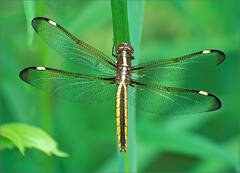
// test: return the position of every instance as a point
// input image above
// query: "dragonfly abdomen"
(123, 79)
(121, 116)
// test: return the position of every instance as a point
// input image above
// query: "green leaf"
(135, 18)
(213, 165)
(184, 142)
(25, 136)
(6, 143)
(86, 21)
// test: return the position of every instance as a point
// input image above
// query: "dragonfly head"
(124, 47)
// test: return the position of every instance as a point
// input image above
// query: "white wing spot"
(40, 68)
(52, 22)
(206, 51)
(203, 93)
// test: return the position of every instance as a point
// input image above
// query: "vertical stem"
(46, 111)
(120, 21)
(45, 103)
(127, 20)
(135, 18)
(121, 34)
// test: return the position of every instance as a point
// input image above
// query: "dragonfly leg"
(113, 49)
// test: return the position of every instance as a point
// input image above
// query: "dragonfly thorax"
(124, 51)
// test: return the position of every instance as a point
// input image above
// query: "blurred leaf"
(184, 142)
(18, 101)
(85, 18)
(29, 9)
(135, 16)
(146, 156)
(109, 164)
(23, 136)
(6, 143)
(213, 165)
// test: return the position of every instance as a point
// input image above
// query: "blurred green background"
(203, 143)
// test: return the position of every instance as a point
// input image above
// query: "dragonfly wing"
(167, 72)
(71, 86)
(72, 48)
(161, 100)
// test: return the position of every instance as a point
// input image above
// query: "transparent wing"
(71, 86)
(167, 72)
(161, 100)
(72, 48)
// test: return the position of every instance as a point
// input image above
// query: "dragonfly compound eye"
(124, 47)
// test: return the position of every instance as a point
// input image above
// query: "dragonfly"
(110, 78)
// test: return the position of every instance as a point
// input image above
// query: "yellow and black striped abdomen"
(121, 116)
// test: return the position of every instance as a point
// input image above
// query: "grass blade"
(127, 20)
(120, 21)
(121, 34)
(135, 17)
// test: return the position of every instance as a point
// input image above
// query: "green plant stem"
(127, 20)
(45, 102)
(120, 21)
(46, 112)
(121, 34)
(135, 17)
